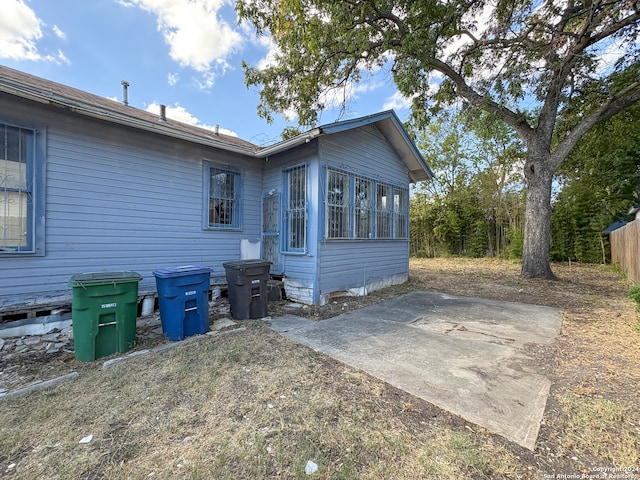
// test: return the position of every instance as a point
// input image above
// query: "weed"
(254, 405)
(594, 426)
(634, 293)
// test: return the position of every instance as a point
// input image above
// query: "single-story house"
(92, 184)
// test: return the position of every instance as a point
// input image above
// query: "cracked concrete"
(484, 360)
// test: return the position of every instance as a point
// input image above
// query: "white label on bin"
(109, 305)
(190, 292)
(253, 282)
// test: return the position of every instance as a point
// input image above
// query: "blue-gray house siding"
(358, 266)
(117, 188)
(118, 199)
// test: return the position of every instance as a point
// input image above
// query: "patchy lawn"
(250, 404)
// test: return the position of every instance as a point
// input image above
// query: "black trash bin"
(247, 280)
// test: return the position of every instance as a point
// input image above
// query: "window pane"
(296, 214)
(223, 204)
(400, 213)
(337, 205)
(363, 208)
(15, 191)
(383, 211)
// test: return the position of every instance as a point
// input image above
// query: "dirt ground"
(592, 418)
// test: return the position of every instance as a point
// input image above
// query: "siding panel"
(361, 264)
(123, 200)
(299, 270)
(349, 265)
(364, 151)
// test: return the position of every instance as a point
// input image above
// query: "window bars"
(15, 188)
(337, 205)
(360, 208)
(296, 209)
(363, 208)
(223, 199)
(383, 211)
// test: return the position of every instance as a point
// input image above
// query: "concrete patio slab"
(483, 360)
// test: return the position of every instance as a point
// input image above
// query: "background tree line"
(475, 205)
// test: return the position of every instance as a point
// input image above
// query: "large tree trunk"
(537, 218)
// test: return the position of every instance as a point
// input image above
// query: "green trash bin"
(103, 313)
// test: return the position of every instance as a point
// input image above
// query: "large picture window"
(17, 158)
(224, 198)
(295, 214)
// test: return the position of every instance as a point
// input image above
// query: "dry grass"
(252, 404)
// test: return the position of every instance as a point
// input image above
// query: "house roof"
(614, 226)
(387, 122)
(37, 89)
(24, 85)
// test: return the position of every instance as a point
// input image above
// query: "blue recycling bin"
(183, 298)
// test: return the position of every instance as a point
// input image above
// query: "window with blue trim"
(224, 209)
(383, 210)
(296, 210)
(400, 213)
(17, 205)
(338, 205)
(361, 208)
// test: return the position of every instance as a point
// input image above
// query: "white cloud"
(58, 58)
(19, 31)
(198, 37)
(172, 78)
(397, 101)
(272, 51)
(609, 52)
(180, 114)
(59, 33)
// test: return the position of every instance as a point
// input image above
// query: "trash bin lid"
(93, 278)
(244, 264)
(181, 271)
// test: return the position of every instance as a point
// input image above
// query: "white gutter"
(289, 143)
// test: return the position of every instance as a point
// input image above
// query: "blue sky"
(185, 54)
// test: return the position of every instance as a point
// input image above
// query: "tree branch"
(615, 104)
(483, 101)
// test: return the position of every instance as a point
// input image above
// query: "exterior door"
(271, 231)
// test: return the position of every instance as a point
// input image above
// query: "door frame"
(276, 267)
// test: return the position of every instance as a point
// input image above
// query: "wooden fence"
(625, 249)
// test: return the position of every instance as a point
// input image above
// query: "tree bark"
(537, 218)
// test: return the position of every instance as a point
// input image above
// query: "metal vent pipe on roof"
(163, 113)
(125, 96)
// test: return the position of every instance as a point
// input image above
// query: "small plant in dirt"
(634, 293)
